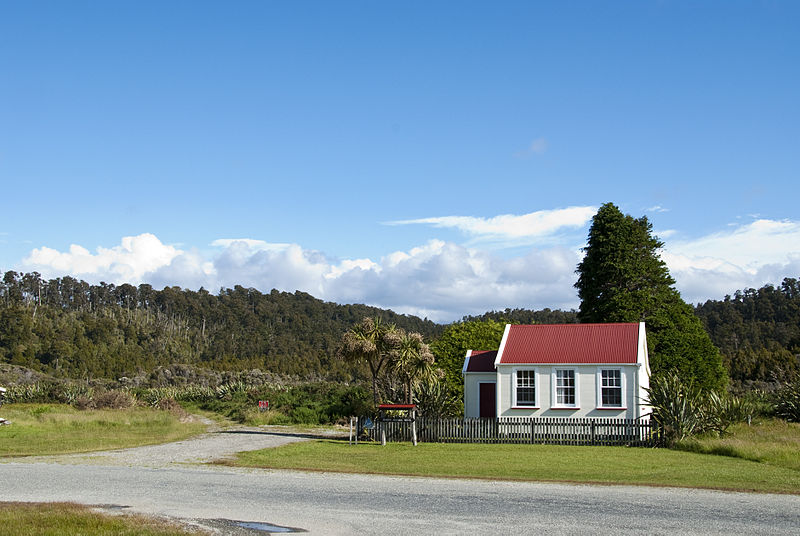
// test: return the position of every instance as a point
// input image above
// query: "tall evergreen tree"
(622, 278)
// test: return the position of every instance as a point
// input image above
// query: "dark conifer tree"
(622, 278)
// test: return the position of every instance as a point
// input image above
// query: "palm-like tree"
(413, 360)
(371, 341)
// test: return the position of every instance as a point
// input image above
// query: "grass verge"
(549, 463)
(44, 429)
(58, 519)
(770, 441)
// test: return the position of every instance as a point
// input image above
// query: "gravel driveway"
(201, 449)
(165, 480)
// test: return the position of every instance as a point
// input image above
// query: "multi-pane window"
(565, 387)
(526, 388)
(611, 387)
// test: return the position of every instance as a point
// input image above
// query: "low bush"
(114, 400)
(787, 401)
(301, 403)
(170, 405)
(304, 415)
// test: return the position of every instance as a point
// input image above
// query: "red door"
(487, 400)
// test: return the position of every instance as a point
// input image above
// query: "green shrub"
(304, 415)
(787, 401)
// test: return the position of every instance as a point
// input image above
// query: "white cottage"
(560, 370)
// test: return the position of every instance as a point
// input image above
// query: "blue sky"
(437, 158)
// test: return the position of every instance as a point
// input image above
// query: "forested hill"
(70, 328)
(757, 331)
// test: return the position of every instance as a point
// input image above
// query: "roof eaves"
(502, 346)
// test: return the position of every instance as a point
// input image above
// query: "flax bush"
(683, 410)
(787, 401)
(32, 392)
(72, 392)
(676, 407)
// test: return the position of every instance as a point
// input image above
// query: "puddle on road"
(113, 506)
(252, 528)
(265, 527)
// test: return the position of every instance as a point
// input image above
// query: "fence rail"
(531, 430)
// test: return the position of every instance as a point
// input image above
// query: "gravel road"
(160, 481)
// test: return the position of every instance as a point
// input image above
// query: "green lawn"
(549, 463)
(770, 441)
(60, 519)
(42, 429)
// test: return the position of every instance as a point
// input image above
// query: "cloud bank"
(441, 280)
(510, 229)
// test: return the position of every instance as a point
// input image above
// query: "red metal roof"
(571, 343)
(482, 361)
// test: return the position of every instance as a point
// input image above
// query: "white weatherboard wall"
(472, 403)
(587, 389)
(643, 359)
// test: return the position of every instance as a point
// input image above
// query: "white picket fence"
(531, 430)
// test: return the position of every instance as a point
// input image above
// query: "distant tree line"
(527, 316)
(757, 332)
(69, 328)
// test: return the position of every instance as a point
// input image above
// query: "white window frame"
(514, 404)
(554, 395)
(624, 391)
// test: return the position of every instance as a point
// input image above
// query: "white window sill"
(565, 407)
(525, 407)
(611, 407)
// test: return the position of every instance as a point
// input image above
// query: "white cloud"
(251, 243)
(656, 208)
(666, 233)
(511, 229)
(439, 279)
(130, 261)
(743, 256)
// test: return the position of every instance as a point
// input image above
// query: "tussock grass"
(553, 463)
(769, 441)
(59, 519)
(43, 429)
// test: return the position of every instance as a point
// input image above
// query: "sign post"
(410, 416)
(2, 396)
